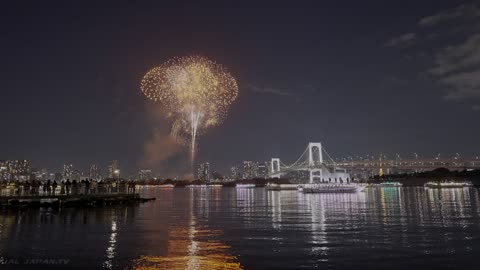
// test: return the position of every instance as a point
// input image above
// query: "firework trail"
(195, 93)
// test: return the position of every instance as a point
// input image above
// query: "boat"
(271, 186)
(196, 186)
(331, 188)
(447, 184)
(389, 184)
(166, 186)
(215, 186)
(245, 185)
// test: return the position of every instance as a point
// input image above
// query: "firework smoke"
(195, 94)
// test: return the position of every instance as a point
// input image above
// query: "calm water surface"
(233, 228)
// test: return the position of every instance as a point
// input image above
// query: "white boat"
(166, 186)
(331, 188)
(197, 186)
(271, 186)
(245, 185)
(389, 184)
(449, 184)
(214, 186)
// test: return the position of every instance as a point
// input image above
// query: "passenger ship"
(331, 188)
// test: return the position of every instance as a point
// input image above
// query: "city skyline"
(372, 82)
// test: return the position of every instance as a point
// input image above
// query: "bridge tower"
(315, 162)
(275, 167)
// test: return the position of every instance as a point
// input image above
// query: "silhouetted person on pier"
(18, 188)
(131, 187)
(101, 187)
(62, 187)
(49, 187)
(93, 186)
(74, 187)
(45, 188)
(68, 186)
(54, 187)
(81, 187)
(108, 186)
(87, 186)
(26, 188)
(114, 186)
(122, 187)
(34, 187)
(3, 187)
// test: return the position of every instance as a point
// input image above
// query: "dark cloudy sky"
(360, 76)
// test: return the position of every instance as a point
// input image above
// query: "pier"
(71, 200)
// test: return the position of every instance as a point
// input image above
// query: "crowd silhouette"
(66, 187)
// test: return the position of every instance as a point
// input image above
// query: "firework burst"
(195, 93)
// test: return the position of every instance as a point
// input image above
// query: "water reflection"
(193, 246)
(319, 241)
(111, 248)
(230, 228)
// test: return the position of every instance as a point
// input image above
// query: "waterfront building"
(76, 175)
(262, 170)
(235, 173)
(114, 170)
(144, 174)
(67, 171)
(95, 172)
(41, 175)
(203, 171)
(4, 173)
(248, 170)
(15, 169)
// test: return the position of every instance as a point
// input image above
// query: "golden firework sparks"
(195, 91)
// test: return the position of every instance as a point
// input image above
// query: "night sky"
(362, 77)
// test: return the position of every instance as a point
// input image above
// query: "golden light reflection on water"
(192, 247)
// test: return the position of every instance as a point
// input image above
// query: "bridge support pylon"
(315, 175)
(315, 156)
(275, 167)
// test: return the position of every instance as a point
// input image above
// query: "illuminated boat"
(389, 184)
(271, 186)
(448, 184)
(331, 188)
(245, 185)
(197, 186)
(166, 186)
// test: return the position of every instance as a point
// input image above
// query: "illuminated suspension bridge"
(315, 160)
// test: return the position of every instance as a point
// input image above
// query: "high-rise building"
(67, 171)
(145, 174)
(235, 173)
(41, 175)
(216, 176)
(22, 167)
(15, 169)
(4, 173)
(203, 171)
(247, 170)
(262, 170)
(114, 170)
(45, 174)
(77, 175)
(95, 172)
